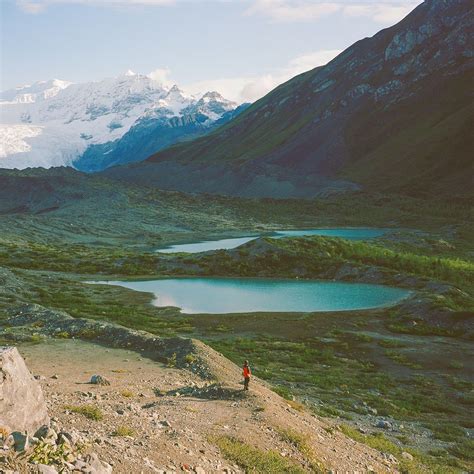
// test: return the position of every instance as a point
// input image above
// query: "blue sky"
(242, 48)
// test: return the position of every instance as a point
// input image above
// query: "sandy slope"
(183, 445)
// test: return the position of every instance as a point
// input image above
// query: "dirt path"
(173, 431)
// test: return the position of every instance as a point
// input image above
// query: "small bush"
(172, 361)
(252, 459)
(4, 432)
(364, 337)
(88, 334)
(390, 343)
(299, 441)
(123, 431)
(89, 411)
(190, 358)
(296, 405)
(46, 453)
(283, 392)
(127, 393)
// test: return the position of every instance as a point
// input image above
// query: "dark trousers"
(246, 383)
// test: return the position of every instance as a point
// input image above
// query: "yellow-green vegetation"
(420, 463)
(89, 411)
(296, 405)
(336, 369)
(50, 453)
(300, 442)
(401, 359)
(190, 358)
(4, 432)
(171, 362)
(127, 393)
(253, 459)
(123, 430)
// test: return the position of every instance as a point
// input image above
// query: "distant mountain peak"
(212, 95)
(30, 93)
(53, 123)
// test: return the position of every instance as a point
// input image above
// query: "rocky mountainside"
(95, 125)
(155, 131)
(392, 112)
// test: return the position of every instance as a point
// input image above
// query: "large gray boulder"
(22, 406)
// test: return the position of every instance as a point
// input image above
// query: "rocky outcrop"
(22, 406)
(49, 322)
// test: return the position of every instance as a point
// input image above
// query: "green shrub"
(300, 442)
(254, 460)
(171, 361)
(123, 431)
(89, 411)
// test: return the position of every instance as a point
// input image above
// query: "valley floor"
(341, 375)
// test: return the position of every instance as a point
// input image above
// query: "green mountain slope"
(391, 112)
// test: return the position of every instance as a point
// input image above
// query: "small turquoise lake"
(244, 295)
(357, 233)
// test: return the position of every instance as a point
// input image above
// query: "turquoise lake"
(358, 233)
(243, 295)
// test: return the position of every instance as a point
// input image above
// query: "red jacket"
(246, 372)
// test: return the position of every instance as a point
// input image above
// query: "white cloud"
(37, 6)
(292, 10)
(161, 75)
(251, 88)
(307, 61)
(381, 11)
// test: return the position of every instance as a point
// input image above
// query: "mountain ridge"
(330, 129)
(54, 123)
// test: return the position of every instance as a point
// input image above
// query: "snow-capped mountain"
(36, 92)
(54, 123)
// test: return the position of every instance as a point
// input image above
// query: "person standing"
(246, 373)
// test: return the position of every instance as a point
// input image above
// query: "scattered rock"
(45, 469)
(407, 456)
(95, 466)
(22, 406)
(19, 441)
(386, 425)
(99, 380)
(390, 458)
(46, 433)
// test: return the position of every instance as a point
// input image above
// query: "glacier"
(53, 123)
